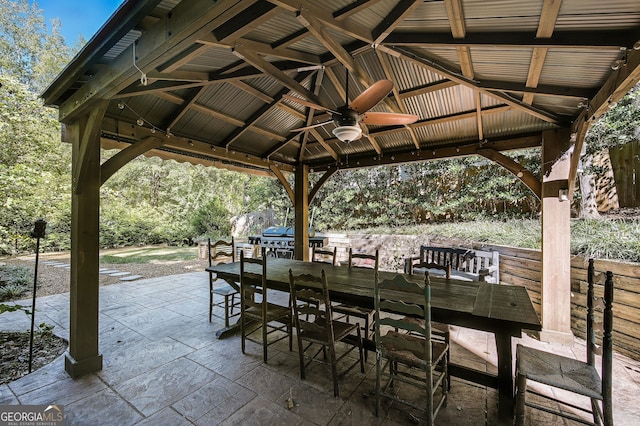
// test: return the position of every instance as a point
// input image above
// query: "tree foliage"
(152, 201)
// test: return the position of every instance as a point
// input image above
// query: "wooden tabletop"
(473, 304)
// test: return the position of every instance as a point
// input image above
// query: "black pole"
(38, 232)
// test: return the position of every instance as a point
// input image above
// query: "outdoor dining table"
(503, 310)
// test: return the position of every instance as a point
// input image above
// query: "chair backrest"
(606, 350)
(222, 251)
(311, 304)
(253, 285)
(324, 255)
(415, 304)
(363, 260)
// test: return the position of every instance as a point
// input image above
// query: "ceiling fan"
(347, 117)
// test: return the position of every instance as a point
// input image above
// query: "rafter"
(324, 144)
(267, 67)
(320, 32)
(393, 19)
(458, 30)
(243, 23)
(548, 18)
(386, 66)
(180, 112)
(439, 69)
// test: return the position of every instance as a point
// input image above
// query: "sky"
(78, 17)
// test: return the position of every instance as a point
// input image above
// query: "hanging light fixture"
(347, 133)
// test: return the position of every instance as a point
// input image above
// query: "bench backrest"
(481, 263)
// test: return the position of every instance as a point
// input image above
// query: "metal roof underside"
(478, 74)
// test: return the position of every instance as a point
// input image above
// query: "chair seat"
(408, 357)
(559, 371)
(274, 312)
(225, 290)
(340, 330)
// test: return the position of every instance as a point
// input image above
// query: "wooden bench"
(479, 265)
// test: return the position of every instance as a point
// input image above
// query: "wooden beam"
(563, 39)
(89, 142)
(478, 97)
(320, 183)
(191, 99)
(458, 30)
(282, 53)
(514, 167)
(319, 31)
(182, 146)
(245, 87)
(546, 25)
(393, 19)
(183, 58)
(556, 238)
(271, 69)
(463, 149)
(427, 88)
(540, 89)
(115, 163)
(301, 208)
(617, 85)
(285, 183)
(324, 144)
(251, 17)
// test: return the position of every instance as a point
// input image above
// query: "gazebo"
(284, 87)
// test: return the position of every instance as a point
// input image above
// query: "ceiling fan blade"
(370, 97)
(388, 118)
(307, 103)
(302, 129)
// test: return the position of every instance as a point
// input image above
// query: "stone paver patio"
(164, 366)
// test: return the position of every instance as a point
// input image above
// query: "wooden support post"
(556, 237)
(83, 357)
(301, 208)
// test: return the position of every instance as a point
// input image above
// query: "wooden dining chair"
(405, 351)
(324, 255)
(569, 374)
(222, 251)
(256, 307)
(439, 331)
(367, 261)
(316, 327)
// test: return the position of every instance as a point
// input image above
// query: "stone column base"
(80, 368)
(552, 336)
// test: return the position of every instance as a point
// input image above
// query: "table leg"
(505, 378)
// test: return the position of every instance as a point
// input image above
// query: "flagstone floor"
(162, 365)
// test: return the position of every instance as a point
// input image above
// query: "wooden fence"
(625, 161)
(523, 267)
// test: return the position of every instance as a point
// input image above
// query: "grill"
(278, 240)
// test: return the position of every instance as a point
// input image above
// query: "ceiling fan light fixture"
(347, 133)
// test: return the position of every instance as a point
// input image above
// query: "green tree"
(28, 51)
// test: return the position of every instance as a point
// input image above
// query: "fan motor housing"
(345, 117)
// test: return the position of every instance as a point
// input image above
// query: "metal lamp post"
(38, 232)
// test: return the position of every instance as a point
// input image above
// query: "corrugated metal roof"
(424, 63)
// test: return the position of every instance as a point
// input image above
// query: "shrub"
(14, 281)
